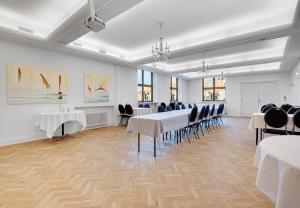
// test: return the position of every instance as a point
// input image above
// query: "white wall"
(17, 121)
(233, 89)
(295, 85)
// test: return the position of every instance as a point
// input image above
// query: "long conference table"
(156, 124)
(257, 122)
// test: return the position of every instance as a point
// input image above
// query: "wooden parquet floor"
(101, 168)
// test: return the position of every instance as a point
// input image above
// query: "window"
(213, 89)
(174, 89)
(145, 86)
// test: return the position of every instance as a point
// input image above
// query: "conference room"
(150, 103)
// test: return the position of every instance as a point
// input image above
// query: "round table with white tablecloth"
(50, 121)
(278, 161)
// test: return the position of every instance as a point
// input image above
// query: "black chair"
(190, 105)
(160, 109)
(122, 114)
(173, 106)
(286, 107)
(179, 103)
(164, 105)
(192, 124)
(141, 105)
(206, 117)
(200, 120)
(293, 110)
(129, 112)
(266, 108)
(177, 107)
(169, 108)
(218, 116)
(146, 105)
(296, 122)
(262, 107)
(182, 106)
(276, 118)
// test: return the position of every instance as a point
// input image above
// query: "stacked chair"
(125, 113)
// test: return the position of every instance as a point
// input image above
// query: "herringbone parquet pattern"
(101, 168)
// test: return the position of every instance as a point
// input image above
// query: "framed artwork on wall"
(35, 85)
(96, 89)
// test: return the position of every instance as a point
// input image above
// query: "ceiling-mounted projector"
(93, 22)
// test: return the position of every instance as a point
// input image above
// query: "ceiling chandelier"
(161, 50)
(204, 67)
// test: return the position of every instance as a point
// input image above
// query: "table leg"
(256, 136)
(154, 146)
(139, 143)
(63, 129)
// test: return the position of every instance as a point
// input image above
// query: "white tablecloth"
(141, 111)
(50, 121)
(257, 121)
(278, 161)
(155, 124)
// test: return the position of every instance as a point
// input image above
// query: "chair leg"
(187, 135)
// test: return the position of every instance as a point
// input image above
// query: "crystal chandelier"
(161, 51)
(204, 67)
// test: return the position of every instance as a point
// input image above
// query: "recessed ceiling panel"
(188, 23)
(35, 15)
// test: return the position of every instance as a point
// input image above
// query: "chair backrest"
(272, 104)
(201, 114)
(164, 105)
(182, 106)
(179, 103)
(141, 105)
(160, 109)
(169, 108)
(296, 119)
(220, 109)
(128, 109)
(268, 107)
(206, 112)
(212, 111)
(177, 107)
(286, 107)
(173, 106)
(262, 107)
(121, 109)
(276, 118)
(146, 105)
(293, 110)
(190, 105)
(193, 115)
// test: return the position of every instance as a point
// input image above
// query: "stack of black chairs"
(125, 113)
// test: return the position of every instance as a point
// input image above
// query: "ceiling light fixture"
(204, 67)
(161, 51)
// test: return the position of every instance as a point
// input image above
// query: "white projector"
(94, 23)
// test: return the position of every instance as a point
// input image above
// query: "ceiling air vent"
(24, 29)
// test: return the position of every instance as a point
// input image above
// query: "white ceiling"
(237, 34)
(39, 16)
(187, 23)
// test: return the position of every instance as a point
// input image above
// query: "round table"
(278, 161)
(50, 121)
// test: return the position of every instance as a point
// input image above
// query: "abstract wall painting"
(96, 88)
(35, 85)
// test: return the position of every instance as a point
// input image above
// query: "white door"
(249, 98)
(257, 94)
(267, 93)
